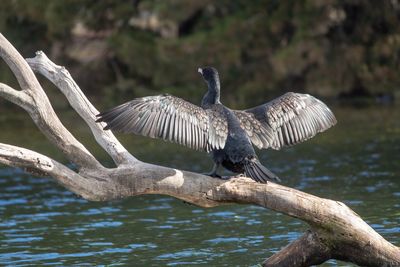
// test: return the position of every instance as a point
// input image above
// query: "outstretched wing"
(287, 120)
(170, 118)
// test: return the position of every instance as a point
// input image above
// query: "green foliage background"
(117, 50)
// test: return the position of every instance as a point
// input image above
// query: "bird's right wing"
(169, 118)
(285, 121)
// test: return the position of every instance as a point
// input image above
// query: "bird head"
(209, 74)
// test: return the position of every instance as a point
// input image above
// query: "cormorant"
(287, 120)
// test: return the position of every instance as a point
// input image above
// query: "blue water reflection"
(43, 224)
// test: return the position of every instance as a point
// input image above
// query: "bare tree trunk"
(336, 232)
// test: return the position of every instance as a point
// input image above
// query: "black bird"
(228, 134)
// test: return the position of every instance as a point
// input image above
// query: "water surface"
(41, 223)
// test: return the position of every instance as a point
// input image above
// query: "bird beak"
(200, 70)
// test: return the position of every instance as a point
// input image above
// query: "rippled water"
(43, 224)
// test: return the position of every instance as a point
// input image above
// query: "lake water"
(43, 224)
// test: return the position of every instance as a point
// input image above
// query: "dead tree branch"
(336, 232)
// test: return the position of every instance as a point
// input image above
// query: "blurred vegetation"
(117, 50)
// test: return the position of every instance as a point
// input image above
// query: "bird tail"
(256, 171)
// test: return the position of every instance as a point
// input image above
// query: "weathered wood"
(336, 232)
(306, 251)
(39, 108)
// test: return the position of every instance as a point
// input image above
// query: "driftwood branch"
(336, 232)
(306, 251)
(61, 78)
(40, 109)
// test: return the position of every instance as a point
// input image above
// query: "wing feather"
(285, 121)
(169, 118)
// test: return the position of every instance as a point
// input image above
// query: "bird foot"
(240, 175)
(212, 174)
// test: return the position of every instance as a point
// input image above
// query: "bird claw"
(214, 175)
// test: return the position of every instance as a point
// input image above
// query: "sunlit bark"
(336, 232)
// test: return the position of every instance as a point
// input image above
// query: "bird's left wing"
(169, 118)
(287, 120)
